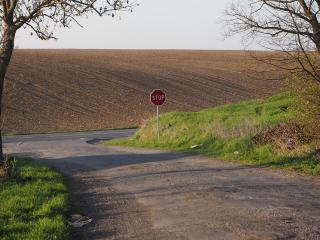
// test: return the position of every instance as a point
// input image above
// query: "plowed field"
(54, 90)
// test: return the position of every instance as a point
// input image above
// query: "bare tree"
(289, 27)
(42, 17)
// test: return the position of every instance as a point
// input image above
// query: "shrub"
(307, 93)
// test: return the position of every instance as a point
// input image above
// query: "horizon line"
(143, 49)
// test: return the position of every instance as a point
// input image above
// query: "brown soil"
(52, 90)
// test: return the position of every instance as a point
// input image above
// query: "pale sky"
(155, 24)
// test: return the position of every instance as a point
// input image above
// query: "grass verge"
(226, 132)
(34, 205)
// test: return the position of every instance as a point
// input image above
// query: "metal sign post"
(158, 97)
(158, 124)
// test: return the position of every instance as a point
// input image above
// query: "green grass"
(34, 205)
(226, 132)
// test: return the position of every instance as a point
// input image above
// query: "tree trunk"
(6, 51)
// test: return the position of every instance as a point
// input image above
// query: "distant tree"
(41, 17)
(291, 27)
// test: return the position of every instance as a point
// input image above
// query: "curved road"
(147, 194)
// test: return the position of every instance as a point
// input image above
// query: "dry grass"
(245, 128)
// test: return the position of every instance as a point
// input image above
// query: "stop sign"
(157, 97)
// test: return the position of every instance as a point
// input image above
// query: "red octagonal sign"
(157, 97)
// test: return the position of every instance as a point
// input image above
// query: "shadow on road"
(107, 186)
(93, 193)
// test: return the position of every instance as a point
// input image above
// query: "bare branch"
(288, 26)
(43, 16)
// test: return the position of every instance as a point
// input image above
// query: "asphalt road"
(149, 194)
(108, 134)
